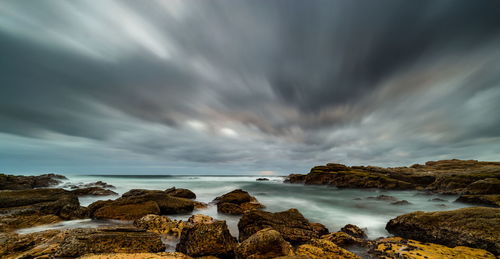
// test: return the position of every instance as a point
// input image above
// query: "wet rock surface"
(321, 248)
(21, 182)
(160, 224)
(290, 224)
(237, 202)
(475, 227)
(266, 243)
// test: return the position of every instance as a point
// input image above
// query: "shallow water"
(328, 205)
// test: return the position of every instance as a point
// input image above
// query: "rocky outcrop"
(323, 249)
(237, 202)
(100, 184)
(445, 176)
(160, 224)
(396, 247)
(492, 200)
(138, 203)
(290, 224)
(343, 239)
(476, 227)
(93, 191)
(20, 182)
(266, 243)
(181, 193)
(200, 219)
(78, 242)
(207, 240)
(353, 230)
(26, 208)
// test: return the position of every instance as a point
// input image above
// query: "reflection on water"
(328, 205)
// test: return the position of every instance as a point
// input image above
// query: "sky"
(245, 87)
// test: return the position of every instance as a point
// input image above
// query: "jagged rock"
(488, 200)
(20, 182)
(162, 255)
(160, 224)
(78, 242)
(266, 243)
(354, 231)
(396, 247)
(181, 193)
(200, 219)
(324, 249)
(93, 191)
(207, 239)
(476, 227)
(138, 203)
(237, 202)
(343, 239)
(290, 223)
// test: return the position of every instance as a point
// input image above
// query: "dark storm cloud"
(257, 85)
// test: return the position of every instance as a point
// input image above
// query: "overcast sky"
(245, 87)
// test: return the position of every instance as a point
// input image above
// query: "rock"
(290, 224)
(262, 179)
(354, 231)
(200, 219)
(484, 186)
(266, 243)
(396, 247)
(207, 239)
(488, 200)
(93, 191)
(162, 255)
(32, 207)
(383, 198)
(476, 227)
(237, 202)
(402, 202)
(20, 182)
(438, 200)
(138, 203)
(323, 249)
(78, 242)
(295, 178)
(160, 224)
(181, 193)
(126, 211)
(343, 239)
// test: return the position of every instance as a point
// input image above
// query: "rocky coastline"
(147, 223)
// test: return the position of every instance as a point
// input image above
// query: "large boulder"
(290, 224)
(78, 242)
(20, 182)
(354, 231)
(181, 193)
(266, 243)
(396, 247)
(476, 227)
(207, 240)
(160, 224)
(138, 203)
(323, 249)
(237, 202)
(484, 186)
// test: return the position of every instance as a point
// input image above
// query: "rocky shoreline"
(147, 229)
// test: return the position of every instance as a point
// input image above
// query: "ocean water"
(327, 205)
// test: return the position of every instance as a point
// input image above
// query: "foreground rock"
(321, 248)
(138, 203)
(26, 208)
(290, 224)
(78, 242)
(396, 247)
(266, 243)
(354, 231)
(344, 240)
(237, 202)
(476, 227)
(20, 182)
(207, 240)
(445, 176)
(181, 193)
(160, 224)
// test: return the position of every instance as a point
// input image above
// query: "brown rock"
(295, 178)
(200, 219)
(488, 199)
(476, 227)
(353, 230)
(162, 255)
(93, 191)
(20, 182)
(10, 222)
(160, 224)
(344, 240)
(237, 202)
(181, 193)
(236, 197)
(126, 211)
(207, 239)
(324, 249)
(266, 243)
(229, 208)
(291, 224)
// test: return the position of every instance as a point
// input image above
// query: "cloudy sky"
(245, 87)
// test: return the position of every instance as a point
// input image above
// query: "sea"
(330, 206)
